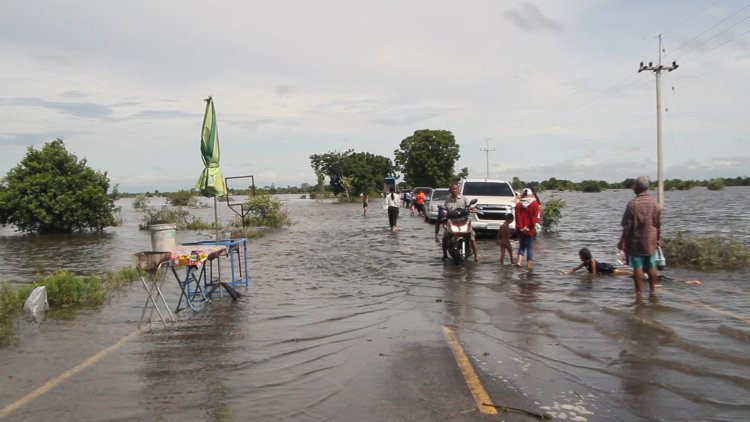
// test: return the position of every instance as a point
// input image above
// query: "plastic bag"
(661, 260)
(620, 257)
(36, 304)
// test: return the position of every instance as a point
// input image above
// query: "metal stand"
(155, 297)
(193, 276)
(238, 278)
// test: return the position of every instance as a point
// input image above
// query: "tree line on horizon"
(551, 184)
(53, 191)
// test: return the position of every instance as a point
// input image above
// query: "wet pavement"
(345, 321)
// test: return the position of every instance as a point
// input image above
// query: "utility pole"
(487, 152)
(659, 163)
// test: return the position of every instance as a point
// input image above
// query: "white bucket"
(163, 237)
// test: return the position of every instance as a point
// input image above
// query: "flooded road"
(344, 320)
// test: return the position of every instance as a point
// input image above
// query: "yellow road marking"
(481, 398)
(723, 312)
(711, 308)
(65, 375)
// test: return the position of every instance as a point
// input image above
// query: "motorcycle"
(458, 226)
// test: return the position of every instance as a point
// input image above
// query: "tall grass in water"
(65, 291)
(705, 253)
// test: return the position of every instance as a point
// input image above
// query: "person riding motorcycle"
(453, 202)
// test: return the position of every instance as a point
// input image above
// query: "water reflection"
(457, 299)
(190, 363)
(324, 291)
(528, 286)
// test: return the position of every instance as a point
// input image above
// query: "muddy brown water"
(343, 321)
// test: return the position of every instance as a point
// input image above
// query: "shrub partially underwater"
(265, 211)
(179, 216)
(66, 292)
(705, 253)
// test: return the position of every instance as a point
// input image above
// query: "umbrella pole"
(216, 226)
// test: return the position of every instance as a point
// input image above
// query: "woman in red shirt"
(527, 215)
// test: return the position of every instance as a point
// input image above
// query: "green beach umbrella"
(211, 182)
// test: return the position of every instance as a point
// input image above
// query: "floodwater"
(343, 320)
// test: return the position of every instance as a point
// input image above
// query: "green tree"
(517, 183)
(331, 165)
(428, 158)
(367, 172)
(51, 191)
(352, 172)
(628, 183)
(677, 184)
(558, 184)
(591, 186)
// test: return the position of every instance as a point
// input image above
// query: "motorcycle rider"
(453, 202)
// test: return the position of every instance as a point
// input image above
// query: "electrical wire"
(719, 45)
(625, 87)
(710, 28)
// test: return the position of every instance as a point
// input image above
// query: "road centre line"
(711, 308)
(481, 398)
(7, 410)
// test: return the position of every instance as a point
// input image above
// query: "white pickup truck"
(495, 200)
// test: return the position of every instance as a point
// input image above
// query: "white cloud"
(553, 85)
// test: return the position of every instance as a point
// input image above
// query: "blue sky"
(551, 86)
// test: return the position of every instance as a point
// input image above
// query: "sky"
(530, 89)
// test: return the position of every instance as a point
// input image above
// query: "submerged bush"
(179, 216)
(715, 184)
(64, 290)
(551, 214)
(10, 306)
(140, 203)
(705, 253)
(264, 211)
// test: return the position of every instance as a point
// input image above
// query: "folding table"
(193, 259)
(154, 265)
(233, 247)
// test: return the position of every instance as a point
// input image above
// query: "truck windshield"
(487, 189)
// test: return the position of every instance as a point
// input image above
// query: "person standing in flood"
(419, 203)
(503, 239)
(527, 215)
(365, 201)
(641, 234)
(393, 202)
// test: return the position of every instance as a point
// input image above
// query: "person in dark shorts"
(595, 267)
(641, 234)
(365, 202)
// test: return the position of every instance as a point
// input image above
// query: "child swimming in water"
(595, 267)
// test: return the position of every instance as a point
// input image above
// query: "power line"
(689, 18)
(710, 28)
(619, 91)
(719, 45)
(622, 89)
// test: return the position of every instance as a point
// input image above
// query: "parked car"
(495, 200)
(438, 197)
